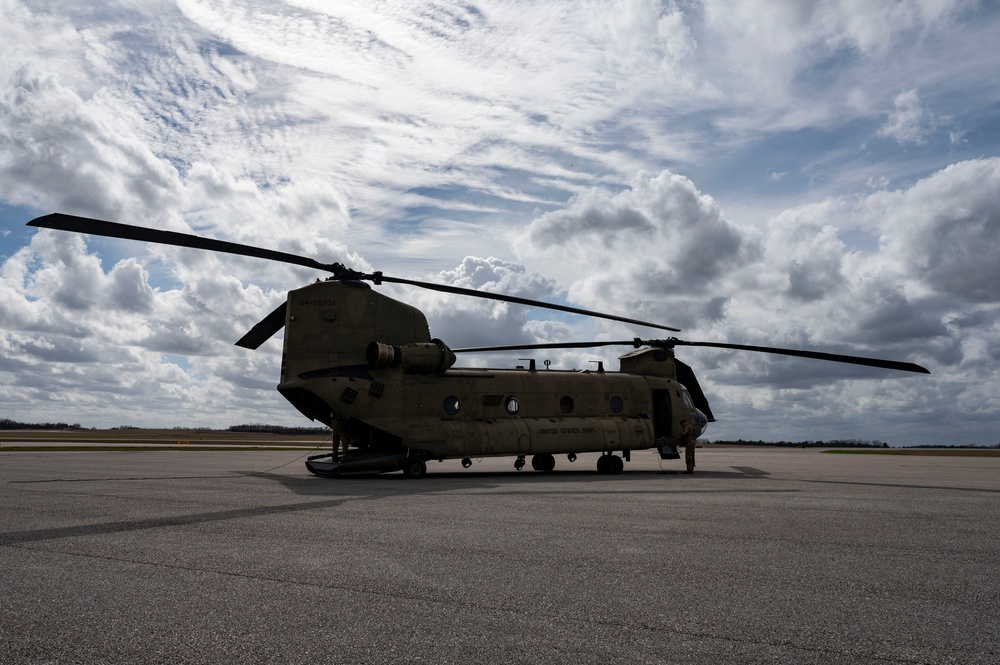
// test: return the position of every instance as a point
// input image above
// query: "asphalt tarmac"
(761, 556)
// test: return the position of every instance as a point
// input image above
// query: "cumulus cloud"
(935, 258)
(799, 283)
(466, 321)
(83, 334)
(640, 247)
(944, 232)
(909, 121)
(804, 245)
(50, 134)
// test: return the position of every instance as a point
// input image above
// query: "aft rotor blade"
(816, 355)
(445, 288)
(73, 223)
(265, 328)
(97, 227)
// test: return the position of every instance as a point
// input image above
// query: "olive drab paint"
(368, 361)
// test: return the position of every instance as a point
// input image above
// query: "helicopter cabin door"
(662, 414)
(663, 421)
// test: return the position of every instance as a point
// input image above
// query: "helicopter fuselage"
(365, 364)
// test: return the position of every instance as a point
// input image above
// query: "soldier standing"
(688, 439)
(340, 441)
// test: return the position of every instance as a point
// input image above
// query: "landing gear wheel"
(611, 464)
(414, 467)
(466, 463)
(543, 462)
(519, 462)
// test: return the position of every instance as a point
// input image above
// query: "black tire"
(615, 464)
(604, 464)
(543, 462)
(414, 467)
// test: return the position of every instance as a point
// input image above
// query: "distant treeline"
(7, 423)
(995, 445)
(835, 443)
(277, 429)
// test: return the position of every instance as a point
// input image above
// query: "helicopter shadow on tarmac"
(329, 493)
(562, 482)
(15, 538)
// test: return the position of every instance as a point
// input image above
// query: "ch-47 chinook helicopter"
(365, 365)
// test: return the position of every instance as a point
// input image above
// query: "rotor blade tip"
(39, 221)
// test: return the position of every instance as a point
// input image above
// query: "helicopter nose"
(698, 420)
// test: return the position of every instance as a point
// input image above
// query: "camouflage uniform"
(341, 443)
(688, 439)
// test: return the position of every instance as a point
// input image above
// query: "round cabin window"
(451, 405)
(513, 406)
(566, 404)
(617, 404)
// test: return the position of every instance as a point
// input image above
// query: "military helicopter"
(365, 365)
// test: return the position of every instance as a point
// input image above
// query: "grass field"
(151, 439)
(934, 452)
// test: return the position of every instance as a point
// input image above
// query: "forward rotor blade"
(816, 355)
(265, 328)
(552, 345)
(673, 341)
(98, 227)
(444, 288)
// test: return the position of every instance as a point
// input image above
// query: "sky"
(820, 175)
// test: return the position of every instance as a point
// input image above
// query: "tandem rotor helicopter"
(365, 365)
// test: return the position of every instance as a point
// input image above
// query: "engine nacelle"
(423, 358)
